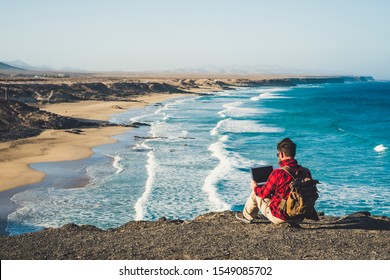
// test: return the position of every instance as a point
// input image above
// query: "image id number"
(253, 270)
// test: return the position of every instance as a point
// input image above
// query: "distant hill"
(23, 65)
(4, 66)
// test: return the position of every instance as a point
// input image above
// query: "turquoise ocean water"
(195, 156)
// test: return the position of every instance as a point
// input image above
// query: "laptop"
(260, 174)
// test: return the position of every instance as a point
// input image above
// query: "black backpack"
(303, 195)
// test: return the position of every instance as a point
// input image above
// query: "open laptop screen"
(260, 174)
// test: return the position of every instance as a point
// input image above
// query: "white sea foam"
(310, 86)
(229, 106)
(234, 110)
(161, 110)
(215, 129)
(184, 133)
(224, 166)
(233, 104)
(229, 92)
(140, 147)
(224, 138)
(166, 130)
(273, 89)
(166, 117)
(268, 95)
(153, 114)
(227, 183)
(116, 163)
(151, 168)
(142, 117)
(242, 126)
(380, 148)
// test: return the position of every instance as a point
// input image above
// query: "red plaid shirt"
(277, 187)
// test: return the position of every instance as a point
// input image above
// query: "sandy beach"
(59, 145)
(101, 110)
(134, 92)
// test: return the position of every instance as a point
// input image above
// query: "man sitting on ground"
(267, 198)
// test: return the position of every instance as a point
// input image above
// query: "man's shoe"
(240, 217)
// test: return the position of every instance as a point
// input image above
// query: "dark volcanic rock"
(18, 120)
(267, 82)
(210, 236)
(69, 92)
(50, 91)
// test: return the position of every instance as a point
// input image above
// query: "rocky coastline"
(19, 120)
(213, 236)
(20, 116)
(46, 90)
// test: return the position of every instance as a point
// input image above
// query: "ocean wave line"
(224, 167)
(151, 168)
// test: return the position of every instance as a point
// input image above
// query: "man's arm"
(269, 187)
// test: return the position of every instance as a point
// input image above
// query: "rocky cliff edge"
(217, 235)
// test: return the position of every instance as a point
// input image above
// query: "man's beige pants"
(254, 204)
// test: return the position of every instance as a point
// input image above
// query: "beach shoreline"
(60, 145)
(119, 94)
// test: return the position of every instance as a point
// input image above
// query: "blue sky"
(335, 37)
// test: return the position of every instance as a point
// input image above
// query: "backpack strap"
(283, 202)
(289, 171)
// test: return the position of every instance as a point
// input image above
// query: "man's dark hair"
(288, 147)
